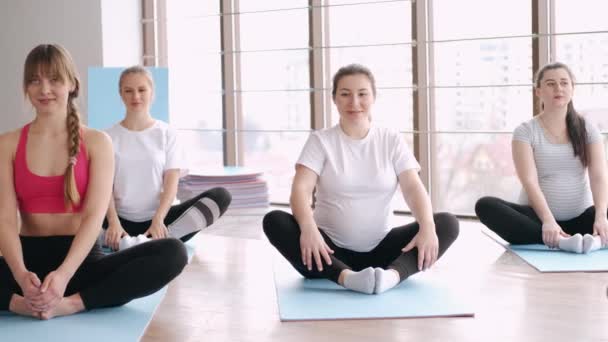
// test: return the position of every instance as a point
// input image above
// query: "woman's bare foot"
(18, 306)
(67, 306)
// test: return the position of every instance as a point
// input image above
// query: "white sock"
(572, 244)
(200, 215)
(591, 243)
(126, 242)
(141, 238)
(385, 280)
(362, 281)
(130, 241)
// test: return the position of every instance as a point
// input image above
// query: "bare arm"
(597, 177)
(312, 244)
(112, 214)
(303, 185)
(114, 231)
(10, 245)
(157, 229)
(525, 166)
(167, 196)
(417, 199)
(597, 180)
(420, 204)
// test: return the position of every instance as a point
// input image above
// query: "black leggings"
(219, 195)
(283, 232)
(101, 280)
(519, 224)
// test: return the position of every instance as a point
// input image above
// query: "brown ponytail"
(577, 132)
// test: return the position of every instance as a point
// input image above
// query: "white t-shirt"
(357, 181)
(141, 158)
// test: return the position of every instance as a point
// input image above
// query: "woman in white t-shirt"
(561, 163)
(356, 168)
(149, 163)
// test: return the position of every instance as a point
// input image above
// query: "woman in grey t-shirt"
(560, 161)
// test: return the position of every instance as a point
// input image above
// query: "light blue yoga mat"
(302, 299)
(545, 259)
(105, 108)
(125, 323)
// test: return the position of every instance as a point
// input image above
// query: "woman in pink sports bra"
(58, 174)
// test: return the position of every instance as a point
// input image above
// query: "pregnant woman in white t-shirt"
(356, 168)
(149, 163)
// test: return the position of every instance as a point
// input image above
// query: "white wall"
(91, 34)
(122, 32)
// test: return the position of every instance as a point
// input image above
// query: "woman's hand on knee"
(113, 235)
(600, 227)
(428, 247)
(157, 230)
(313, 246)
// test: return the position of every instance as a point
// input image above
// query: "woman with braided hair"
(59, 177)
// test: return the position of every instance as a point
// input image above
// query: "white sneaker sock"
(126, 242)
(572, 244)
(385, 280)
(362, 281)
(130, 241)
(141, 238)
(591, 243)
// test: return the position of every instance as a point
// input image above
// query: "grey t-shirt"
(561, 176)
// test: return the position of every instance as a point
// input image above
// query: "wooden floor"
(227, 294)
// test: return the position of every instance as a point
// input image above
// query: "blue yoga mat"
(302, 299)
(545, 259)
(124, 323)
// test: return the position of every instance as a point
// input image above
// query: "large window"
(195, 78)
(481, 92)
(275, 88)
(581, 41)
(385, 47)
(473, 79)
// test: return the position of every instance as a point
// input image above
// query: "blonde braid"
(71, 195)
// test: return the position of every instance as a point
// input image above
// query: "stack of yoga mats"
(247, 187)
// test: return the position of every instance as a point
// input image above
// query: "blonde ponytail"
(70, 193)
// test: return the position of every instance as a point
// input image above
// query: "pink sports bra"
(44, 194)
